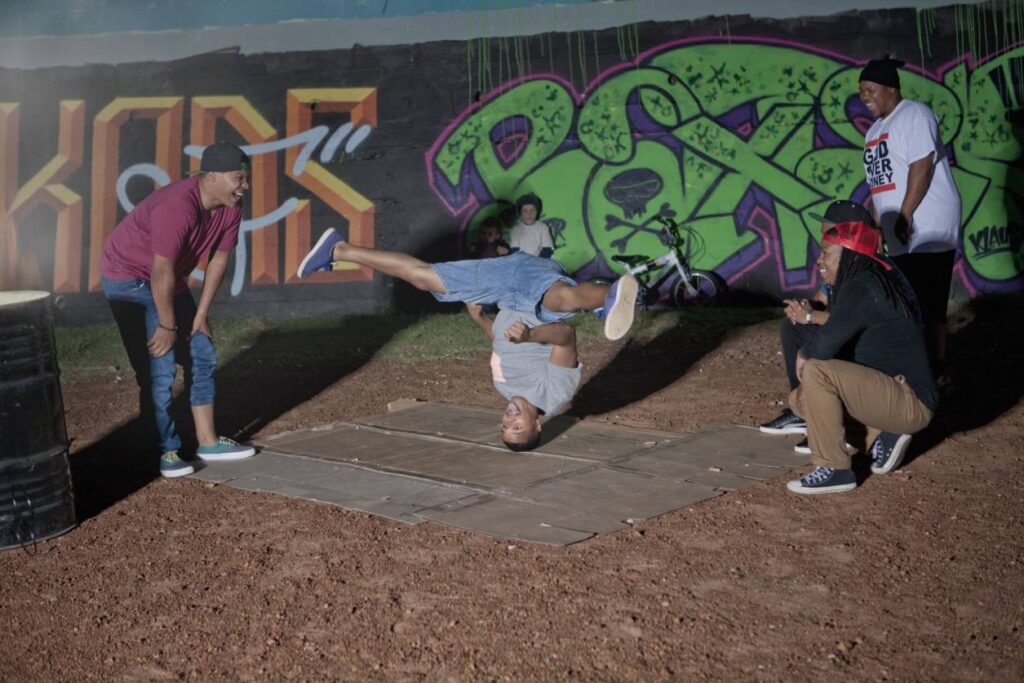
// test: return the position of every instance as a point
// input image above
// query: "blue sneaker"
(887, 452)
(321, 256)
(173, 466)
(225, 449)
(824, 480)
(619, 306)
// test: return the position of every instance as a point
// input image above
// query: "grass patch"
(393, 337)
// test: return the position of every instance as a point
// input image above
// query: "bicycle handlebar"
(669, 235)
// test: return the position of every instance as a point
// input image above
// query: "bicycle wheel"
(708, 285)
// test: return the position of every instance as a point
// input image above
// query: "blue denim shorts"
(515, 282)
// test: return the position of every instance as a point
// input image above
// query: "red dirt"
(916, 575)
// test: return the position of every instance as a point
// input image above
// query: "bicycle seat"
(629, 259)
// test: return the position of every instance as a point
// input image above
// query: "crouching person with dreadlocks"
(887, 386)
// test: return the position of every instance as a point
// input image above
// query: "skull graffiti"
(632, 189)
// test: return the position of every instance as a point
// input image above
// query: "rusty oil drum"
(36, 498)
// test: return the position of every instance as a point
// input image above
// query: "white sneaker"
(620, 305)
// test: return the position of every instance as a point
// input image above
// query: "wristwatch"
(807, 318)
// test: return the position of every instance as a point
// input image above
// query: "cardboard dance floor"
(444, 463)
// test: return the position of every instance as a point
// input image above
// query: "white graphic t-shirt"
(909, 133)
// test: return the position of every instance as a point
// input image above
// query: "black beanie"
(882, 72)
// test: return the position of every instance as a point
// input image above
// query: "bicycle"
(691, 286)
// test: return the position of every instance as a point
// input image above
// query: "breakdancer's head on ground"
(520, 425)
(533, 360)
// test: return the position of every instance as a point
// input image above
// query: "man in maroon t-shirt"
(143, 270)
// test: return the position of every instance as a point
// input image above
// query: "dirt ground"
(916, 575)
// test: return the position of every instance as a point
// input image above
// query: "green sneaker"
(173, 466)
(225, 449)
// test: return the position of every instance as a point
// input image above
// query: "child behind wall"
(489, 243)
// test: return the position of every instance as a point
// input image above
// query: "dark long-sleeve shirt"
(883, 338)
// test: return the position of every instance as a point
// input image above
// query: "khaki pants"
(832, 389)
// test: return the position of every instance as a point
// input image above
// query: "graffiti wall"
(741, 141)
(738, 137)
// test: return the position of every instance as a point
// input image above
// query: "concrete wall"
(740, 126)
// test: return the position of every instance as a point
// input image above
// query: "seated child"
(489, 243)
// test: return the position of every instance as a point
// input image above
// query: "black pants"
(931, 277)
(793, 338)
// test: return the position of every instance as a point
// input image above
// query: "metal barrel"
(36, 497)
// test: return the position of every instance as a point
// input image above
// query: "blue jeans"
(131, 302)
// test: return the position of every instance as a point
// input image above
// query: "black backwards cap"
(843, 211)
(883, 72)
(223, 157)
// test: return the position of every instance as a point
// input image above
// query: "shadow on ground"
(278, 372)
(986, 363)
(646, 366)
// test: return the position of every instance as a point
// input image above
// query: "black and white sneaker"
(824, 480)
(887, 452)
(802, 447)
(786, 423)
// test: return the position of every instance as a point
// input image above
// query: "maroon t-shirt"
(170, 222)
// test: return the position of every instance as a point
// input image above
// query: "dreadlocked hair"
(852, 263)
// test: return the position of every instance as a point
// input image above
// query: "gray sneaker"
(173, 466)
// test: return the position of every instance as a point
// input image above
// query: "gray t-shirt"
(526, 370)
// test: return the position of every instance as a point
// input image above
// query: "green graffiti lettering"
(543, 106)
